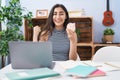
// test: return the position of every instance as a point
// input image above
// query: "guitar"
(108, 19)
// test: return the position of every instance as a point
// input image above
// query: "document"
(110, 66)
(104, 66)
(69, 64)
(91, 63)
(113, 64)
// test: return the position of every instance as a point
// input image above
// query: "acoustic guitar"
(108, 19)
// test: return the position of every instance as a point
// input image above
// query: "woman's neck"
(59, 27)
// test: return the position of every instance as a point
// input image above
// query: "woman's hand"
(71, 26)
(36, 31)
(73, 41)
(71, 32)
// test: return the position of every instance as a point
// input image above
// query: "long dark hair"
(49, 26)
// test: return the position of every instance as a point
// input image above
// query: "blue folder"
(81, 70)
(31, 74)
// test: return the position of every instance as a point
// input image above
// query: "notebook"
(28, 54)
(81, 70)
(32, 74)
(97, 73)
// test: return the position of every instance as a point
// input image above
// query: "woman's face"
(59, 17)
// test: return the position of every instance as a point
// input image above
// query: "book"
(32, 74)
(97, 73)
(81, 70)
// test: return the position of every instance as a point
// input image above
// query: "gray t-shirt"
(61, 45)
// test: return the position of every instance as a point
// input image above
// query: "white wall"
(93, 8)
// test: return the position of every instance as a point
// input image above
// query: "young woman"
(60, 32)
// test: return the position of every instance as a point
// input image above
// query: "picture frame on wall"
(42, 13)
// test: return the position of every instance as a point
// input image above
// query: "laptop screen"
(28, 54)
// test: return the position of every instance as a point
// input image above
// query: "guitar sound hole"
(108, 15)
(108, 22)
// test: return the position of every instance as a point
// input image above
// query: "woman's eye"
(58, 13)
(61, 14)
(54, 14)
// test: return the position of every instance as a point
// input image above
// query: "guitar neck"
(108, 5)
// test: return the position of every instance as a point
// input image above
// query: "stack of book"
(84, 71)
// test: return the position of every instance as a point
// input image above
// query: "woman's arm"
(73, 44)
(36, 31)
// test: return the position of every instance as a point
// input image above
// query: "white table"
(111, 75)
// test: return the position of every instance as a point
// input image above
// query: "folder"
(32, 74)
(81, 70)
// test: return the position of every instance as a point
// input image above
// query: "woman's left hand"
(71, 32)
(73, 41)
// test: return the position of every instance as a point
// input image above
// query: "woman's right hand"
(36, 31)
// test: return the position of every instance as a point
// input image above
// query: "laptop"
(28, 54)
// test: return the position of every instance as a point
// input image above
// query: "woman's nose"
(58, 16)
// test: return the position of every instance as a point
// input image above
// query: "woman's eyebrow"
(59, 12)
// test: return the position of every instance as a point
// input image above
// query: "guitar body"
(108, 19)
